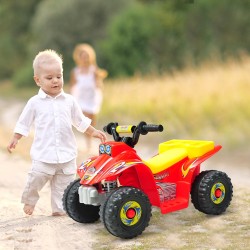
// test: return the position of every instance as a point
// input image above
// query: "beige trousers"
(59, 175)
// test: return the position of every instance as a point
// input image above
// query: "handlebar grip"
(108, 128)
(105, 129)
(152, 128)
(125, 129)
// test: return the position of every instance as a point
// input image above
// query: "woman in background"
(86, 82)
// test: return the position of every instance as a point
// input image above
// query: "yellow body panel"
(195, 148)
(166, 159)
(170, 152)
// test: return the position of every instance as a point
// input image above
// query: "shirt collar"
(43, 95)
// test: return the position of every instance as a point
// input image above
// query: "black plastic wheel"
(195, 187)
(212, 192)
(103, 206)
(126, 212)
(78, 211)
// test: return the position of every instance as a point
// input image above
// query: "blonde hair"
(84, 47)
(46, 56)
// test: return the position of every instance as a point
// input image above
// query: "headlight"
(105, 149)
(102, 149)
(108, 149)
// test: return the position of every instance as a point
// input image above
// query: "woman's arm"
(100, 75)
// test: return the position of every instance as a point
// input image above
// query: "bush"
(127, 48)
(23, 78)
(76, 21)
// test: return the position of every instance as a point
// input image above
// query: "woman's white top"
(87, 94)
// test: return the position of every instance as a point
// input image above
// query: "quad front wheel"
(126, 212)
(78, 211)
(212, 192)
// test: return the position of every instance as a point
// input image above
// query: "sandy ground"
(186, 229)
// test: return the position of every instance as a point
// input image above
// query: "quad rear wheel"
(78, 211)
(126, 212)
(212, 192)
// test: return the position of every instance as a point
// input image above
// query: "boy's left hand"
(12, 145)
(100, 135)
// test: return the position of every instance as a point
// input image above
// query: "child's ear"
(37, 80)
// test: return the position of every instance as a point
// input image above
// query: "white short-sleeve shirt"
(53, 118)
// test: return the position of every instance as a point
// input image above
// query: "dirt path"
(186, 229)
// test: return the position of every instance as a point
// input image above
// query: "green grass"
(189, 229)
(210, 102)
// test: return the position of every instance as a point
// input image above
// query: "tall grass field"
(208, 103)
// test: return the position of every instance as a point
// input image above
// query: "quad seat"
(170, 152)
(195, 148)
(166, 159)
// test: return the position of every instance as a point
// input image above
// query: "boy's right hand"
(14, 142)
(12, 145)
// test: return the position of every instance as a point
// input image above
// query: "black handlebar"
(152, 128)
(141, 129)
(108, 127)
(111, 129)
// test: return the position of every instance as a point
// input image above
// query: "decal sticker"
(84, 165)
(186, 170)
(118, 166)
(130, 213)
(218, 192)
(87, 177)
(89, 173)
(91, 170)
(161, 176)
(123, 164)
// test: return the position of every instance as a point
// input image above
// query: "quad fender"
(126, 167)
(140, 176)
(192, 166)
(81, 170)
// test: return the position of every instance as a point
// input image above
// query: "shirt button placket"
(57, 128)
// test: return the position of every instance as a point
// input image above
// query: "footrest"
(174, 205)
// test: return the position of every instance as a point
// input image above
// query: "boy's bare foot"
(28, 209)
(58, 214)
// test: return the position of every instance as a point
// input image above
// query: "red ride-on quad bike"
(120, 188)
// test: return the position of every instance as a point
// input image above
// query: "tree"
(15, 19)
(126, 49)
(74, 22)
(145, 38)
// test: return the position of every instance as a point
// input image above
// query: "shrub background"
(130, 36)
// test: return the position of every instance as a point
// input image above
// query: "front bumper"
(90, 196)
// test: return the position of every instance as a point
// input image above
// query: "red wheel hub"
(218, 193)
(130, 213)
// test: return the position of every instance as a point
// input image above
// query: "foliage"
(219, 30)
(130, 36)
(15, 19)
(74, 22)
(177, 34)
(209, 102)
(125, 50)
